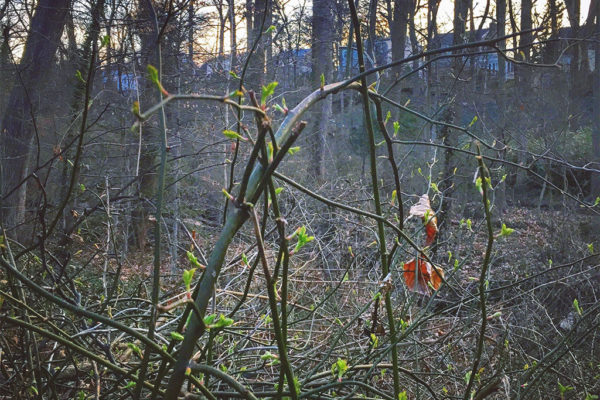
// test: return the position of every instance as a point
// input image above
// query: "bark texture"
(16, 128)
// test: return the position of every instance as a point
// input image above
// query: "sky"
(445, 16)
(446, 12)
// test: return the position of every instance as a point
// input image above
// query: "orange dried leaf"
(431, 230)
(419, 280)
(415, 280)
(436, 277)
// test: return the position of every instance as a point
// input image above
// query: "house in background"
(292, 68)
(382, 55)
(566, 56)
(486, 61)
(115, 77)
(217, 66)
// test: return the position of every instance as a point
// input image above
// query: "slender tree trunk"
(596, 131)
(523, 87)
(349, 50)
(448, 136)
(190, 32)
(501, 31)
(574, 14)
(322, 53)
(513, 26)
(222, 21)
(398, 32)
(432, 39)
(16, 129)
(526, 38)
(71, 40)
(78, 101)
(109, 49)
(371, 31)
(432, 80)
(5, 68)
(553, 18)
(269, 66)
(232, 32)
(256, 76)
(389, 12)
(432, 12)
(412, 33)
(149, 96)
(151, 139)
(249, 23)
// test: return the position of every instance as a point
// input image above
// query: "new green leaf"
(576, 306)
(188, 275)
(505, 231)
(267, 91)
(339, 368)
(153, 74)
(293, 150)
(233, 135)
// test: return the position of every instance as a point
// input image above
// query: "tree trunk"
(191, 27)
(109, 49)
(448, 136)
(349, 51)
(150, 131)
(596, 131)
(16, 130)
(249, 23)
(574, 14)
(431, 71)
(412, 33)
(5, 67)
(232, 33)
(71, 40)
(523, 87)
(398, 32)
(526, 38)
(501, 31)
(256, 74)
(371, 31)
(79, 98)
(167, 48)
(222, 21)
(322, 53)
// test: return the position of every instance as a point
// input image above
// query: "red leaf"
(431, 230)
(419, 280)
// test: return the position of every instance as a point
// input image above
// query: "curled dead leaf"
(386, 285)
(423, 210)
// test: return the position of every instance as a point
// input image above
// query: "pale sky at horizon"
(447, 9)
(445, 16)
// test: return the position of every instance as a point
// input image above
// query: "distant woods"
(286, 43)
